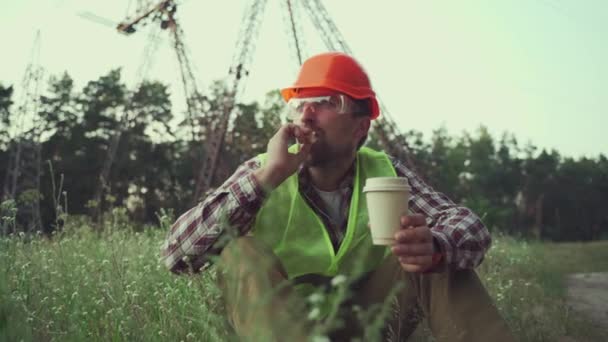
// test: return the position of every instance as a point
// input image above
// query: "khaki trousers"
(262, 305)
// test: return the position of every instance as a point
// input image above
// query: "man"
(302, 220)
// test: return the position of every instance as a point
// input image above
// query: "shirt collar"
(345, 183)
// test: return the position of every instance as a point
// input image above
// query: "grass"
(81, 285)
(85, 286)
(527, 280)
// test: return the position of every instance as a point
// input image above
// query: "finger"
(413, 220)
(413, 268)
(304, 139)
(281, 140)
(284, 133)
(414, 234)
(416, 249)
(291, 130)
(301, 133)
(305, 130)
(415, 260)
(303, 152)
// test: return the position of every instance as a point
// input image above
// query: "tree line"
(516, 188)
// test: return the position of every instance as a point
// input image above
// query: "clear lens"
(339, 103)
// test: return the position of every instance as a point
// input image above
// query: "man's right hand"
(280, 163)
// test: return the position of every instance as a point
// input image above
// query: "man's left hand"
(414, 244)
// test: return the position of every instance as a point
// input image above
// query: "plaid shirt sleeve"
(460, 234)
(234, 203)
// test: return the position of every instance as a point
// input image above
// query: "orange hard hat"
(336, 71)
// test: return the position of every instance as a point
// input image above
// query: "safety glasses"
(339, 103)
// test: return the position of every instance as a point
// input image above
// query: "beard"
(323, 154)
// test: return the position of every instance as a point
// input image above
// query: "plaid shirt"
(460, 235)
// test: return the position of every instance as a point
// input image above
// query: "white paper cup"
(387, 201)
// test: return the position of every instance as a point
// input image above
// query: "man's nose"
(308, 112)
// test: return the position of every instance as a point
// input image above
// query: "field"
(98, 286)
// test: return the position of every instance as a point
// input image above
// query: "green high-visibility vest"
(298, 237)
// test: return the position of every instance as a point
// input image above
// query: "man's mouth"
(314, 136)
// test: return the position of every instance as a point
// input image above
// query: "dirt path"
(588, 294)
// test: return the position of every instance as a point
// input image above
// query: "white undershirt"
(332, 201)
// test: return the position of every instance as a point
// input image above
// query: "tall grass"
(105, 285)
(84, 285)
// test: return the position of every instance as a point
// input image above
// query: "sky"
(535, 68)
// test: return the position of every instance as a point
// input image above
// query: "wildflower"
(314, 314)
(316, 297)
(337, 280)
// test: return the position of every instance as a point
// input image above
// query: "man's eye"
(326, 104)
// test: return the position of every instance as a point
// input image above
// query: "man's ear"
(363, 127)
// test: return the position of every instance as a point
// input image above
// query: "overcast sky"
(535, 68)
